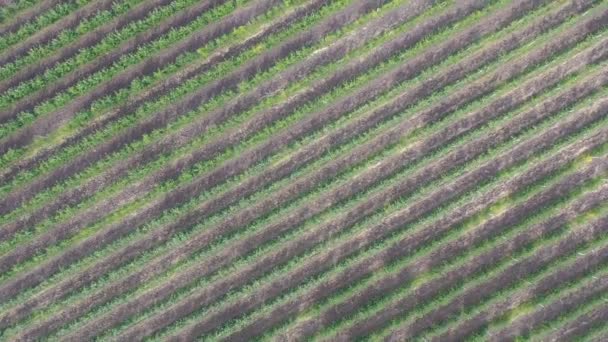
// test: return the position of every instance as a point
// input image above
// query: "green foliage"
(501, 203)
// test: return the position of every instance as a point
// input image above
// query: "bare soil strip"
(162, 87)
(297, 246)
(465, 329)
(304, 185)
(165, 237)
(475, 295)
(191, 102)
(215, 177)
(425, 216)
(23, 17)
(601, 337)
(53, 120)
(587, 321)
(404, 247)
(180, 137)
(527, 323)
(249, 158)
(87, 40)
(361, 183)
(48, 33)
(543, 256)
(100, 209)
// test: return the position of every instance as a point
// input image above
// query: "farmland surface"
(289, 170)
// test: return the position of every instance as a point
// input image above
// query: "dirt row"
(30, 101)
(138, 189)
(48, 33)
(125, 226)
(488, 259)
(410, 244)
(601, 336)
(27, 15)
(180, 196)
(221, 174)
(543, 257)
(78, 194)
(303, 213)
(47, 123)
(192, 101)
(96, 212)
(180, 227)
(300, 245)
(404, 247)
(275, 288)
(405, 276)
(477, 294)
(85, 41)
(284, 195)
(525, 324)
(162, 87)
(587, 321)
(546, 285)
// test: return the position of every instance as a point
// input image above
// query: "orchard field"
(289, 170)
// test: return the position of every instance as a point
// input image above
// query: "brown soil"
(48, 33)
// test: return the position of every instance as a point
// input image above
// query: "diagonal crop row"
(154, 268)
(216, 72)
(545, 285)
(292, 170)
(293, 219)
(162, 88)
(181, 165)
(49, 32)
(526, 323)
(217, 260)
(89, 63)
(525, 293)
(194, 100)
(115, 202)
(549, 294)
(84, 41)
(474, 295)
(406, 215)
(43, 125)
(351, 273)
(27, 15)
(166, 143)
(11, 9)
(598, 316)
(41, 22)
(414, 298)
(278, 141)
(66, 37)
(542, 256)
(562, 314)
(420, 288)
(96, 240)
(132, 249)
(346, 218)
(82, 192)
(448, 249)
